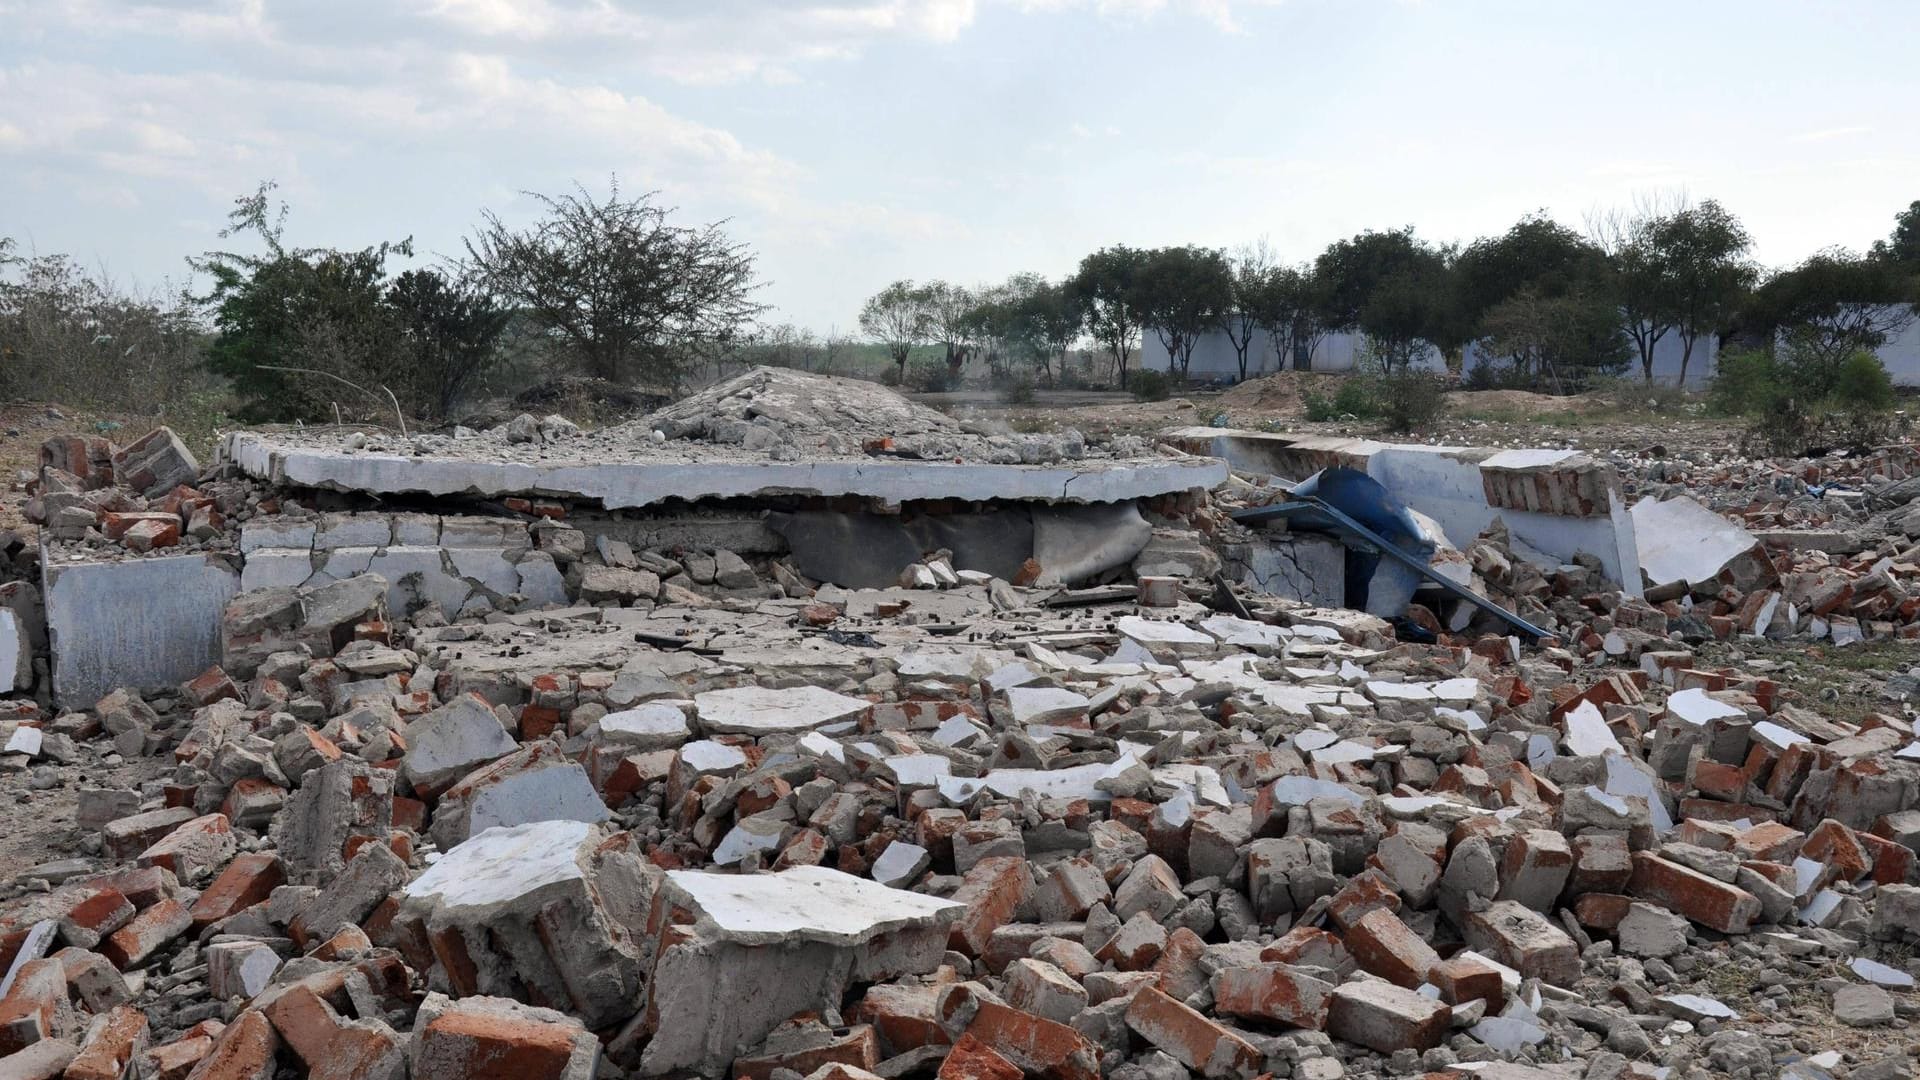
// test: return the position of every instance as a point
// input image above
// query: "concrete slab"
(806, 903)
(1680, 540)
(758, 710)
(617, 485)
(135, 622)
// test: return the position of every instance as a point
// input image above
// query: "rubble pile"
(474, 791)
(907, 831)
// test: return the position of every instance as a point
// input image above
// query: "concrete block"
(1384, 1018)
(137, 622)
(452, 741)
(535, 783)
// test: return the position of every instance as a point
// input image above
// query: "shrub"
(1794, 403)
(890, 376)
(931, 378)
(1862, 384)
(1410, 399)
(1356, 397)
(1017, 390)
(1149, 385)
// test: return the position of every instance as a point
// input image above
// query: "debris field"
(540, 753)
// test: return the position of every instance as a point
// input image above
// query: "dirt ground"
(1607, 420)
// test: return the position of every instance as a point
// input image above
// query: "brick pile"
(1122, 841)
(711, 822)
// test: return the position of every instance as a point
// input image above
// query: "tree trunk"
(1686, 356)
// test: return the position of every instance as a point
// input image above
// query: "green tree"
(618, 286)
(1542, 296)
(952, 321)
(1704, 275)
(1253, 267)
(1394, 288)
(319, 310)
(897, 318)
(1109, 288)
(1290, 307)
(1833, 304)
(448, 335)
(1562, 341)
(1903, 246)
(1188, 290)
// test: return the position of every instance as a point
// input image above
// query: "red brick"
(1834, 844)
(993, 892)
(88, 922)
(115, 525)
(34, 1006)
(1189, 1037)
(1366, 891)
(195, 849)
(1466, 978)
(210, 686)
(116, 1038)
(471, 1044)
(174, 1060)
(1307, 945)
(150, 535)
(1769, 841)
(244, 1051)
(971, 1059)
(1387, 947)
(332, 1048)
(858, 1047)
(1384, 1018)
(1601, 911)
(903, 1017)
(1711, 903)
(147, 933)
(1036, 1045)
(1274, 992)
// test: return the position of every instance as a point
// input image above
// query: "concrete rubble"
(498, 788)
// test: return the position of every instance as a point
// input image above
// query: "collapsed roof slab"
(644, 476)
(1558, 502)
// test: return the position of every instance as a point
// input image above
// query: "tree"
(316, 309)
(1903, 246)
(1290, 307)
(1392, 287)
(1187, 291)
(897, 318)
(1253, 269)
(619, 287)
(76, 337)
(448, 334)
(1701, 252)
(1039, 319)
(1563, 341)
(1108, 287)
(1833, 304)
(1536, 253)
(950, 321)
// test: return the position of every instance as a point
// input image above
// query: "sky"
(854, 143)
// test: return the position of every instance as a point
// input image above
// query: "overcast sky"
(867, 140)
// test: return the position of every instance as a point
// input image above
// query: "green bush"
(1862, 384)
(1149, 385)
(932, 378)
(1017, 390)
(1794, 401)
(1408, 400)
(1357, 397)
(890, 376)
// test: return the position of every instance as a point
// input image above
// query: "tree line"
(612, 288)
(1552, 307)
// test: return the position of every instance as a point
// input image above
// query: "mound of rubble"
(822, 833)
(466, 791)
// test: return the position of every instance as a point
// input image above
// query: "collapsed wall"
(478, 788)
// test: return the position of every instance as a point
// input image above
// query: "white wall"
(1214, 358)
